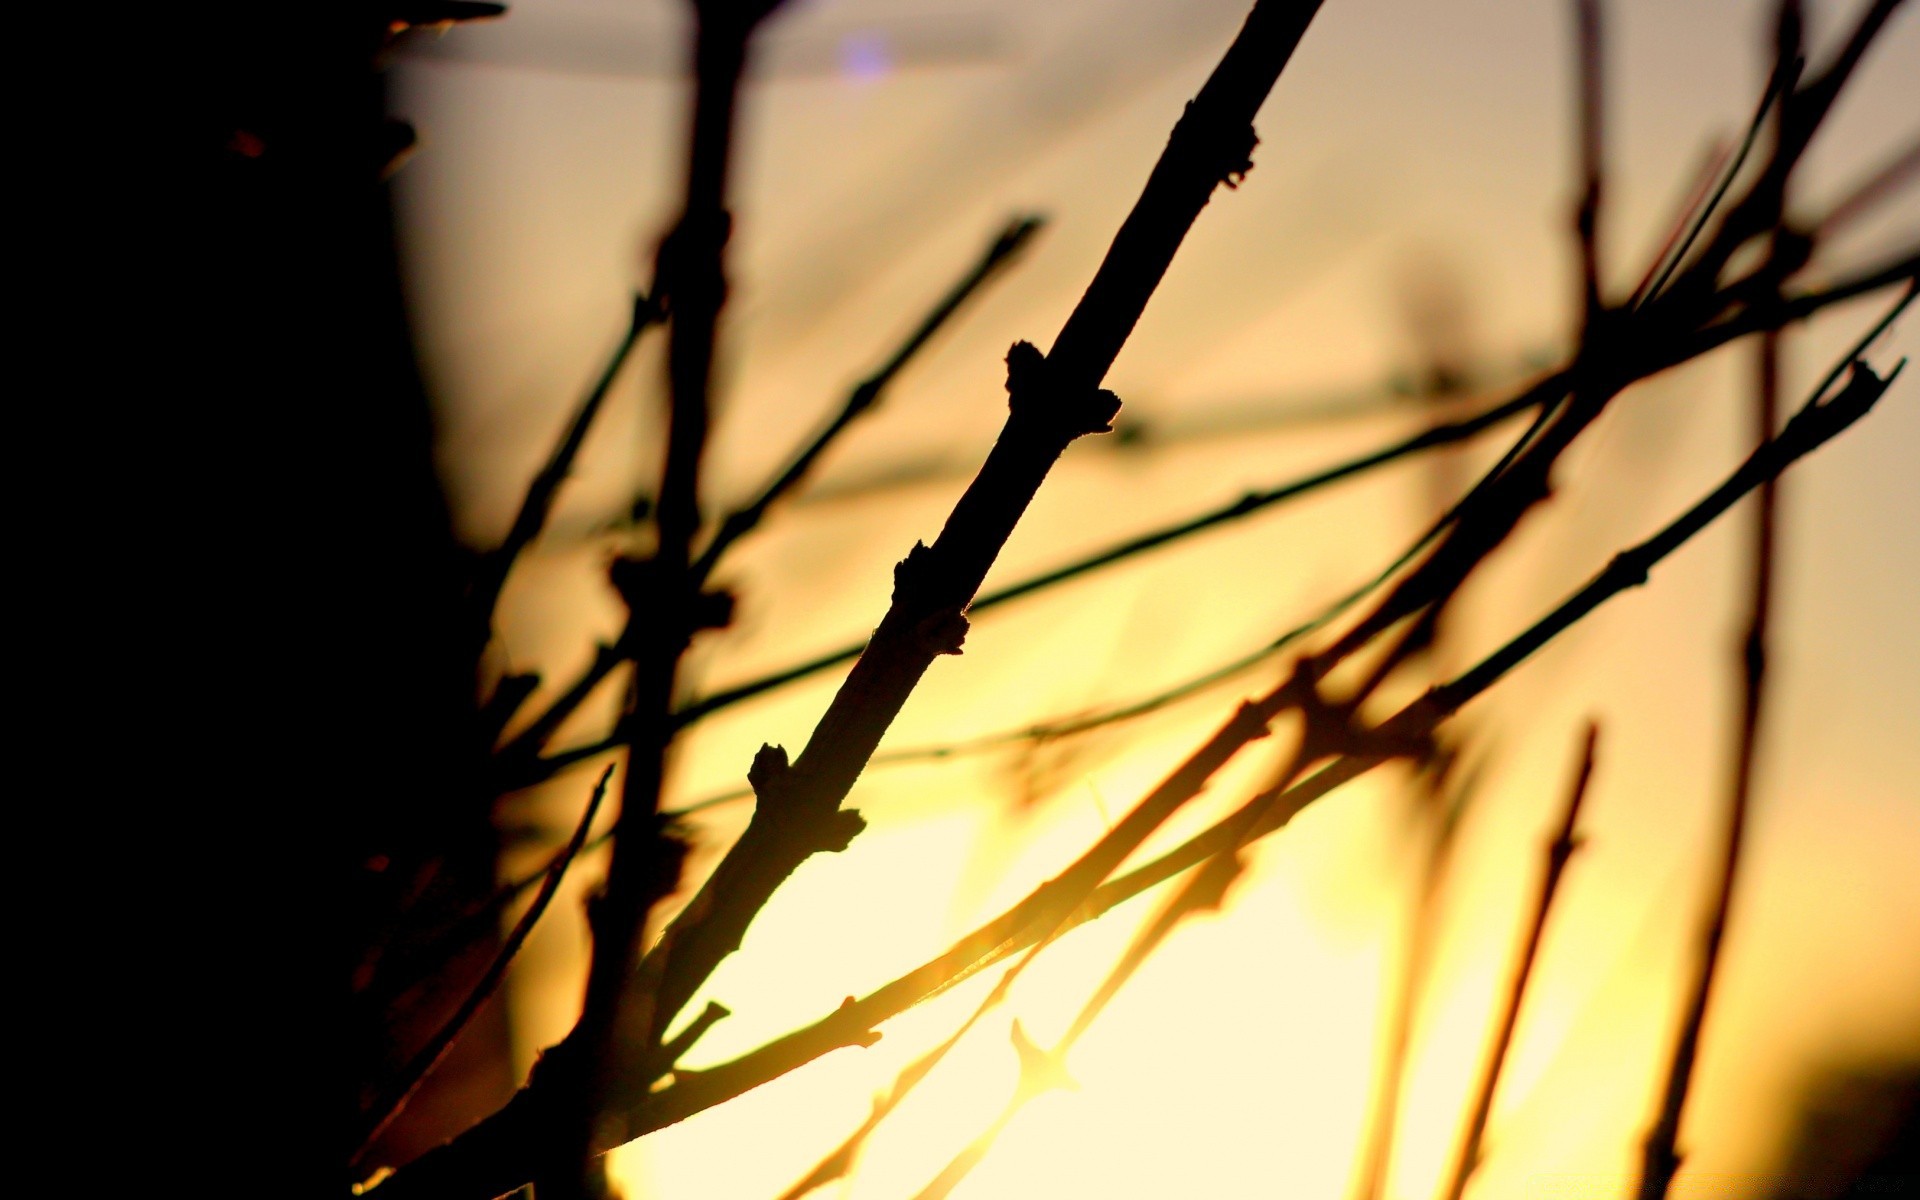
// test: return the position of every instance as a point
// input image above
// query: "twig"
(517, 763)
(853, 1023)
(1592, 155)
(1559, 851)
(537, 505)
(516, 767)
(1661, 1154)
(1445, 812)
(864, 397)
(401, 1088)
(1672, 254)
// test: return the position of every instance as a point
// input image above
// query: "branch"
(618, 1024)
(1661, 1155)
(1053, 399)
(1005, 246)
(1559, 851)
(401, 1088)
(537, 505)
(1543, 391)
(853, 1023)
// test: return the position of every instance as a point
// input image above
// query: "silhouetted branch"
(1559, 851)
(620, 1023)
(864, 397)
(1542, 391)
(1668, 260)
(854, 1023)
(1661, 1154)
(1053, 399)
(400, 1089)
(537, 505)
(516, 766)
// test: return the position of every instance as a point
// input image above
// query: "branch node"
(1225, 148)
(1034, 392)
(769, 774)
(942, 633)
(913, 577)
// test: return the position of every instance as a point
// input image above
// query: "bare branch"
(393, 1098)
(853, 1023)
(537, 505)
(1005, 246)
(1559, 851)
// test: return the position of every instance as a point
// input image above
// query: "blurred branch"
(1695, 215)
(1444, 806)
(516, 768)
(619, 1026)
(1559, 851)
(1661, 1154)
(537, 505)
(393, 1098)
(1542, 391)
(1899, 171)
(1005, 246)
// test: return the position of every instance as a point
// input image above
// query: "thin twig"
(518, 760)
(1661, 1153)
(1445, 810)
(1544, 390)
(1005, 246)
(1674, 253)
(1559, 851)
(537, 505)
(401, 1088)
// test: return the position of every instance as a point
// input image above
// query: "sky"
(1412, 194)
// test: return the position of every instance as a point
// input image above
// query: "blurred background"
(1402, 245)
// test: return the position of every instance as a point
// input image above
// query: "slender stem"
(1559, 850)
(393, 1099)
(537, 505)
(1005, 246)
(1661, 1152)
(517, 767)
(1376, 1157)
